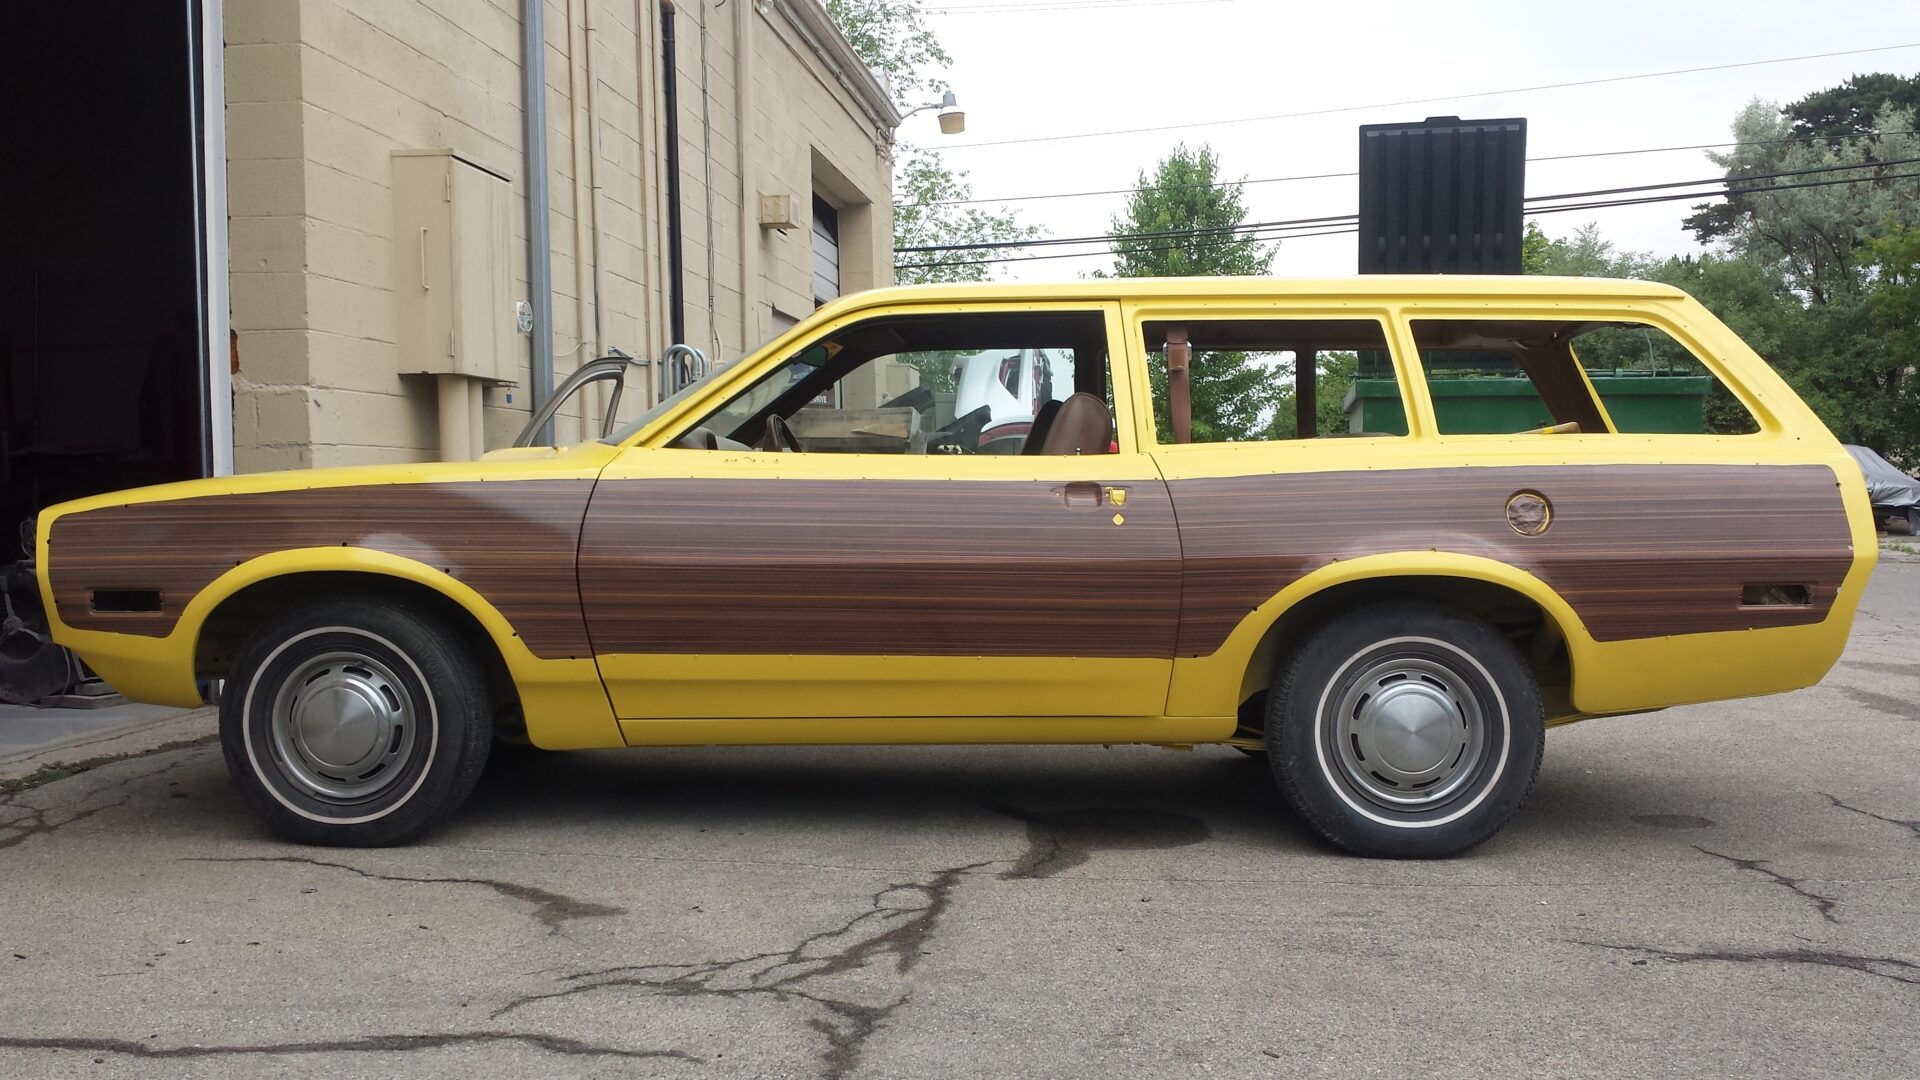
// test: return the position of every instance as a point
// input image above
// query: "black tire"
(355, 722)
(1405, 730)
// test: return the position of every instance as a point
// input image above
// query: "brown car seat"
(1042, 423)
(1082, 426)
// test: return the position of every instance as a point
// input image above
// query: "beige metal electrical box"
(453, 267)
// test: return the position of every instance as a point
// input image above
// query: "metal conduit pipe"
(533, 69)
(676, 264)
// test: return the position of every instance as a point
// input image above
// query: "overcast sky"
(1059, 67)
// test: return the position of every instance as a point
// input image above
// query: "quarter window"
(1570, 377)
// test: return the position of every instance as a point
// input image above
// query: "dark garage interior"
(101, 346)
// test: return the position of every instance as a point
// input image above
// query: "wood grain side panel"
(890, 567)
(513, 542)
(1638, 551)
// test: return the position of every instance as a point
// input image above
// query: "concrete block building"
(301, 236)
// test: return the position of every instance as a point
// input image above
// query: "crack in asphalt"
(551, 909)
(1063, 839)
(905, 915)
(36, 822)
(1865, 965)
(1825, 904)
(386, 1044)
(1911, 826)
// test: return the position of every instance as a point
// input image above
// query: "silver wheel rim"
(1407, 733)
(342, 727)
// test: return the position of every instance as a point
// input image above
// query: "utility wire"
(1282, 230)
(987, 245)
(1336, 109)
(1339, 175)
(1063, 5)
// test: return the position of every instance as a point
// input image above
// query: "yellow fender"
(564, 701)
(1215, 685)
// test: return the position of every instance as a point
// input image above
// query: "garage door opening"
(103, 343)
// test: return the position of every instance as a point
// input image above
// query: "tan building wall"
(322, 93)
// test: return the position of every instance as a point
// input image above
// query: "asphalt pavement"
(1719, 890)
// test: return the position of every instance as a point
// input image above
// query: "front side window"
(959, 384)
(1256, 380)
(1494, 376)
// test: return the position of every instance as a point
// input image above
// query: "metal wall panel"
(1444, 196)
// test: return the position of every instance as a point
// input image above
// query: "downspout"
(743, 72)
(676, 266)
(585, 314)
(706, 181)
(533, 69)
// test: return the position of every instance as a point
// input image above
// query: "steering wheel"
(780, 437)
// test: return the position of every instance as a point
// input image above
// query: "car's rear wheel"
(1405, 730)
(355, 722)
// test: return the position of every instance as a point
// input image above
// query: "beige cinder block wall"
(320, 93)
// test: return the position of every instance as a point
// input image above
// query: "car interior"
(802, 406)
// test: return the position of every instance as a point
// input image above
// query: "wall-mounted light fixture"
(953, 120)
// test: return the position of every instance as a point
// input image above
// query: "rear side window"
(1263, 380)
(1510, 376)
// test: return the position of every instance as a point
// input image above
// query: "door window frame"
(740, 376)
(1137, 314)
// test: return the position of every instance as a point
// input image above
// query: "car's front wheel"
(1405, 730)
(355, 722)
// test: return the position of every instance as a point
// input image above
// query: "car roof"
(1370, 286)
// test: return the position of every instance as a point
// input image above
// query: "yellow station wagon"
(820, 544)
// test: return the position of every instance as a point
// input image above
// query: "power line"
(1250, 226)
(1339, 175)
(1063, 5)
(1260, 231)
(1333, 110)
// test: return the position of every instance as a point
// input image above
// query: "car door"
(881, 582)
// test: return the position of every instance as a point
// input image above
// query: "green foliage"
(1335, 372)
(1534, 245)
(1850, 110)
(1175, 225)
(892, 37)
(1584, 254)
(1893, 307)
(926, 212)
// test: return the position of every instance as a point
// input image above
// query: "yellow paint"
(674, 700)
(647, 687)
(910, 730)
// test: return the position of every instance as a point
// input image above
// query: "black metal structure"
(1443, 196)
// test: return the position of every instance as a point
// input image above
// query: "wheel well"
(239, 616)
(1538, 636)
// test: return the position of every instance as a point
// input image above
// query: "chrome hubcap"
(342, 726)
(1407, 733)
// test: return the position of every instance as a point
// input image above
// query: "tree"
(1584, 254)
(929, 197)
(1844, 119)
(929, 210)
(1180, 221)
